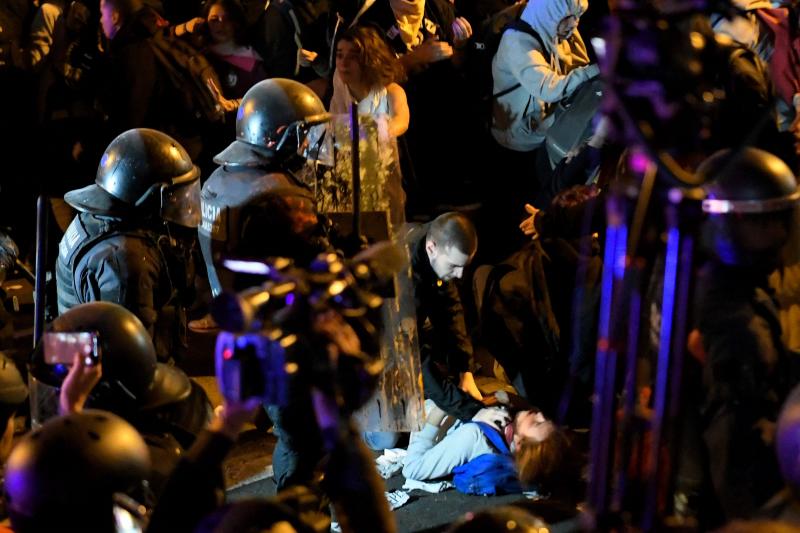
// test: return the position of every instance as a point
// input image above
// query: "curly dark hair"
(379, 65)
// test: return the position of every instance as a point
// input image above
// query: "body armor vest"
(224, 196)
(83, 235)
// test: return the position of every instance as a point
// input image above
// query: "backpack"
(191, 76)
(491, 473)
(482, 51)
(573, 120)
(485, 44)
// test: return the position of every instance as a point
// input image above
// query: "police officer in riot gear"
(256, 205)
(747, 373)
(130, 242)
(64, 476)
(263, 161)
(158, 399)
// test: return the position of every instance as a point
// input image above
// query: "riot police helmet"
(143, 172)
(64, 475)
(132, 379)
(751, 199)
(272, 123)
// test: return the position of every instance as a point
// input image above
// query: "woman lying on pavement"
(542, 452)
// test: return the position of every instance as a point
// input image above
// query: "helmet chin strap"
(294, 127)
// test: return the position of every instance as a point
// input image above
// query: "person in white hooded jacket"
(531, 75)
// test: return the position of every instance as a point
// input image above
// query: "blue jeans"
(380, 440)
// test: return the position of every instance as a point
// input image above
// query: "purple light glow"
(246, 267)
(639, 162)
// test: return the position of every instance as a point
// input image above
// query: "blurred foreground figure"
(751, 201)
(160, 400)
(66, 475)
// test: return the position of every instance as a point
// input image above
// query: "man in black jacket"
(136, 87)
(440, 251)
(140, 94)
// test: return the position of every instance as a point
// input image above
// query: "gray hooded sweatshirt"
(521, 117)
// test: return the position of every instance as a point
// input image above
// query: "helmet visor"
(181, 204)
(761, 229)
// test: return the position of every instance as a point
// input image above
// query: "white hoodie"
(521, 117)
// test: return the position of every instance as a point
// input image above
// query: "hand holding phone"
(60, 348)
(78, 384)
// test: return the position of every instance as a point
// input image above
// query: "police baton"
(42, 219)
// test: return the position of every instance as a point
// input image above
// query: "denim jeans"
(380, 440)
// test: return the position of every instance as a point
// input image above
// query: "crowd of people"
(169, 137)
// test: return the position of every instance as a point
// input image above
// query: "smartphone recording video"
(60, 348)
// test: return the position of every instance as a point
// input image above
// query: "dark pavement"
(424, 512)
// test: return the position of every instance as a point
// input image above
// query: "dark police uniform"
(106, 259)
(747, 375)
(118, 248)
(229, 191)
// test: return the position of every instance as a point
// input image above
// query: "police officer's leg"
(299, 446)
(380, 440)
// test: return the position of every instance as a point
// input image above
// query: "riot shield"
(397, 404)
(44, 401)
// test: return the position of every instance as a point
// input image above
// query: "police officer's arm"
(126, 272)
(570, 221)
(446, 394)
